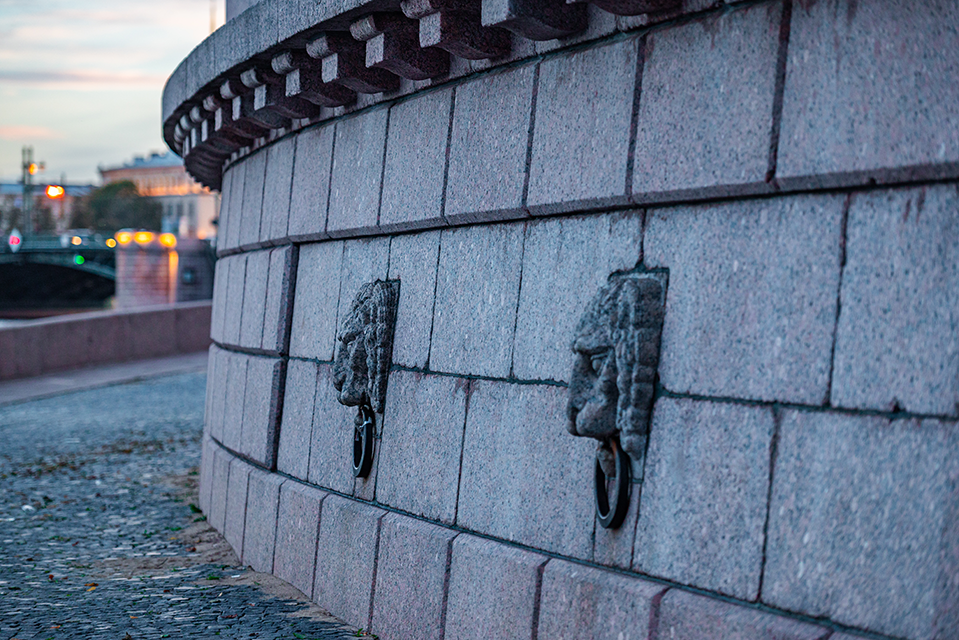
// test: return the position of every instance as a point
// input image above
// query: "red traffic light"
(14, 240)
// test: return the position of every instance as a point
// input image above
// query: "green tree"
(117, 206)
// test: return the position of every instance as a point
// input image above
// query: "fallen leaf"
(91, 584)
(91, 588)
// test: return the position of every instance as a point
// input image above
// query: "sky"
(81, 80)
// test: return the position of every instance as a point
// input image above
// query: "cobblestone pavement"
(99, 537)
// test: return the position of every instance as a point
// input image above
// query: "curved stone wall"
(795, 190)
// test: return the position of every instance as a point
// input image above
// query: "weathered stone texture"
(233, 407)
(487, 167)
(898, 338)
(215, 394)
(864, 523)
(751, 307)
(685, 616)
(234, 214)
(422, 440)
(357, 172)
(259, 537)
(705, 491)
(297, 528)
(364, 261)
(413, 261)
(206, 475)
(346, 559)
(706, 107)
(293, 456)
(581, 602)
(476, 295)
(226, 215)
(279, 299)
(565, 262)
(218, 490)
(219, 299)
(311, 183)
(410, 579)
(866, 92)
(415, 162)
(507, 489)
(235, 520)
(254, 299)
(261, 408)
(331, 444)
(492, 590)
(317, 293)
(276, 190)
(252, 212)
(581, 137)
(233, 312)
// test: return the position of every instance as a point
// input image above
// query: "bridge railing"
(70, 342)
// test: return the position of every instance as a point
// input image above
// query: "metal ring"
(611, 509)
(363, 442)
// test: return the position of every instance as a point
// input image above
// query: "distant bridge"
(50, 271)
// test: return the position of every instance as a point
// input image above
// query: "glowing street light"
(55, 191)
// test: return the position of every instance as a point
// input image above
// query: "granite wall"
(794, 167)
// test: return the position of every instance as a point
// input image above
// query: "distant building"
(189, 210)
(60, 210)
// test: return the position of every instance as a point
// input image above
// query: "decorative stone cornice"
(285, 62)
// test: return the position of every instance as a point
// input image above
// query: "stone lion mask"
(362, 365)
(616, 358)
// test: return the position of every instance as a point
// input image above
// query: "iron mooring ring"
(611, 509)
(363, 441)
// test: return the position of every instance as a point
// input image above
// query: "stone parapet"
(508, 170)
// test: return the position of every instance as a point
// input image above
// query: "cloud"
(21, 132)
(82, 77)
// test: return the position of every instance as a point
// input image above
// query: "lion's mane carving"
(617, 355)
(362, 365)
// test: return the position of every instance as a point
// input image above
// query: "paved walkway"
(99, 537)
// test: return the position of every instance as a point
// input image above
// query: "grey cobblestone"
(98, 535)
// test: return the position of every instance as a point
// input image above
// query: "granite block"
(331, 443)
(686, 616)
(254, 299)
(233, 407)
(357, 173)
(488, 146)
(864, 97)
(279, 299)
(311, 183)
(415, 162)
(225, 218)
(219, 292)
(506, 489)
(277, 189)
(706, 108)
(413, 261)
(235, 212)
(297, 528)
(218, 491)
(582, 602)
(219, 380)
(205, 492)
(614, 547)
(751, 306)
(317, 291)
(233, 310)
(584, 110)
(565, 262)
(897, 343)
(599, 23)
(346, 559)
(422, 439)
(864, 523)
(293, 457)
(211, 383)
(477, 291)
(259, 536)
(236, 505)
(492, 590)
(704, 495)
(261, 408)
(251, 215)
(411, 566)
